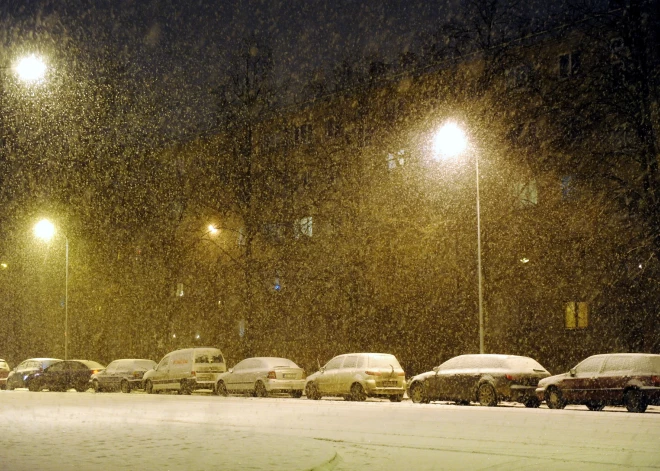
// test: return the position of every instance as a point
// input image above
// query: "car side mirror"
(322, 369)
(436, 368)
(231, 370)
(572, 371)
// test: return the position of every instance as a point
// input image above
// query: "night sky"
(177, 50)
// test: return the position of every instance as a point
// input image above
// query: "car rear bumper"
(285, 384)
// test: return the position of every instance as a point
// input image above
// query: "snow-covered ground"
(111, 431)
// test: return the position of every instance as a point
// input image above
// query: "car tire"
(149, 387)
(124, 387)
(221, 389)
(297, 393)
(595, 405)
(260, 389)
(417, 394)
(634, 401)
(486, 395)
(357, 393)
(532, 403)
(95, 386)
(554, 398)
(9, 387)
(184, 388)
(81, 387)
(312, 392)
(396, 398)
(34, 386)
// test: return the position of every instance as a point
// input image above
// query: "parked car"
(21, 376)
(65, 375)
(262, 376)
(483, 378)
(4, 372)
(630, 379)
(186, 370)
(122, 375)
(356, 376)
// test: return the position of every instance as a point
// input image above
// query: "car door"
(327, 380)
(18, 378)
(614, 376)
(441, 382)
(346, 374)
(78, 375)
(161, 373)
(107, 378)
(580, 383)
(235, 380)
(55, 376)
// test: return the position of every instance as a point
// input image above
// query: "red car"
(630, 379)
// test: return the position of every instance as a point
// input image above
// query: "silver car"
(262, 376)
(356, 376)
(122, 375)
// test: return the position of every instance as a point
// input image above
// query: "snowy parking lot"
(111, 431)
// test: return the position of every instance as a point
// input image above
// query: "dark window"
(569, 64)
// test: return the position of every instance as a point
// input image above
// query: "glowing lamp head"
(31, 69)
(449, 142)
(44, 230)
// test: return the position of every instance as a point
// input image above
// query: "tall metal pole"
(481, 309)
(66, 299)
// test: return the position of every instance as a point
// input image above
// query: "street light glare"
(31, 69)
(450, 141)
(44, 230)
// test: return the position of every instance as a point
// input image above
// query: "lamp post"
(449, 142)
(45, 230)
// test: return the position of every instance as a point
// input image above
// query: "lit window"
(396, 159)
(576, 315)
(526, 193)
(179, 289)
(304, 227)
(303, 134)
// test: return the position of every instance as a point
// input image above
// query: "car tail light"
(372, 373)
(401, 373)
(510, 377)
(271, 375)
(655, 380)
(193, 373)
(137, 374)
(95, 371)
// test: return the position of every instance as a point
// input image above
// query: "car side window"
(111, 368)
(57, 367)
(618, 365)
(164, 362)
(241, 365)
(360, 362)
(334, 364)
(589, 366)
(351, 361)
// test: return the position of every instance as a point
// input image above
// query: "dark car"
(485, 378)
(630, 379)
(4, 372)
(65, 375)
(24, 373)
(122, 375)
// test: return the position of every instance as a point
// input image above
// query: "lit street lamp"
(449, 142)
(30, 69)
(45, 230)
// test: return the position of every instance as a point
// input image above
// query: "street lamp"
(45, 230)
(448, 143)
(30, 69)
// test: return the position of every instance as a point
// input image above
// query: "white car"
(262, 376)
(356, 376)
(186, 370)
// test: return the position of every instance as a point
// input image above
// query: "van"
(186, 370)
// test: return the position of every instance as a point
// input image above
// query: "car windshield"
(209, 356)
(383, 361)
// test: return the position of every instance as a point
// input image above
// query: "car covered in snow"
(629, 379)
(262, 376)
(356, 376)
(4, 372)
(23, 374)
(122, 375)
(483, 378)
(186, 370)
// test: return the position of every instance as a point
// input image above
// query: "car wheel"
(95, 386)
(149, 387)
(297, 393)
(595, 405)
(634, 401)
(81, 387)
(396, 398)
(357, 393)
(554, 398)
(260, 389)
(221, 389)
(312, 392)
(34, 386)
(10, 387)
(184, 388)
(417, 394)
(125, 387)
(486, 395)
(532, 403)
